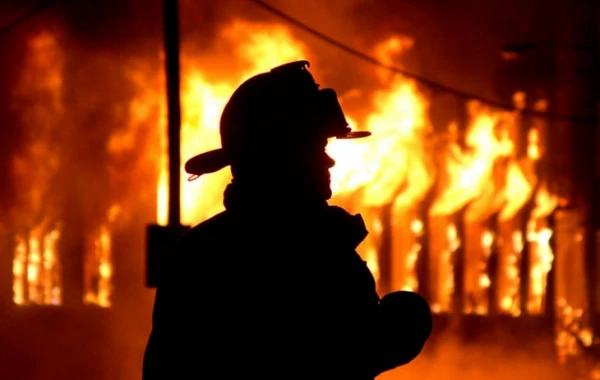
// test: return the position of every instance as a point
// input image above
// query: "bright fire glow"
(389, 173)
(473, 173)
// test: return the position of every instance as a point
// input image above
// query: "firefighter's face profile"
(309, 166)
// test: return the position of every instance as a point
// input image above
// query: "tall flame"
(260, 47)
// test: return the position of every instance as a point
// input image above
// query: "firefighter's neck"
(266, 194)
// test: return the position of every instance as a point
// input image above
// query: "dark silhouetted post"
(171, 25)
(160, 239)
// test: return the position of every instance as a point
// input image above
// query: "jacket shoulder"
(196, 245)
(206, 230)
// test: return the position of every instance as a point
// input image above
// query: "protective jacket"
(278, 293)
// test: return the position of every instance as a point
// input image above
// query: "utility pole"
(171, 29)
(161, 239)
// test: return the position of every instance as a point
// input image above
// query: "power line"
(38, 8)
(428, 82)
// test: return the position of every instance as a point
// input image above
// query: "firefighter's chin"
(327, 193)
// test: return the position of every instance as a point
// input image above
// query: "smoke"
(131, 27)
(496, 353)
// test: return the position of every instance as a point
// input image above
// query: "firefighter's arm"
(398, 327)
(390, 336)
(381, 337)
(386, 333)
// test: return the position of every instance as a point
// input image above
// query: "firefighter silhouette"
(272, 287)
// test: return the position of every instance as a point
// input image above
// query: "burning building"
(476, 207)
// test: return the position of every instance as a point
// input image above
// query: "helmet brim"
(215, 160)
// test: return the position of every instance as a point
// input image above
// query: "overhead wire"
(434, 85)
(33, 11)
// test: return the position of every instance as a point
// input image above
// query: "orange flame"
(394, 168)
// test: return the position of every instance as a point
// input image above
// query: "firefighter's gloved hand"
(409, 309)
(406, 319)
